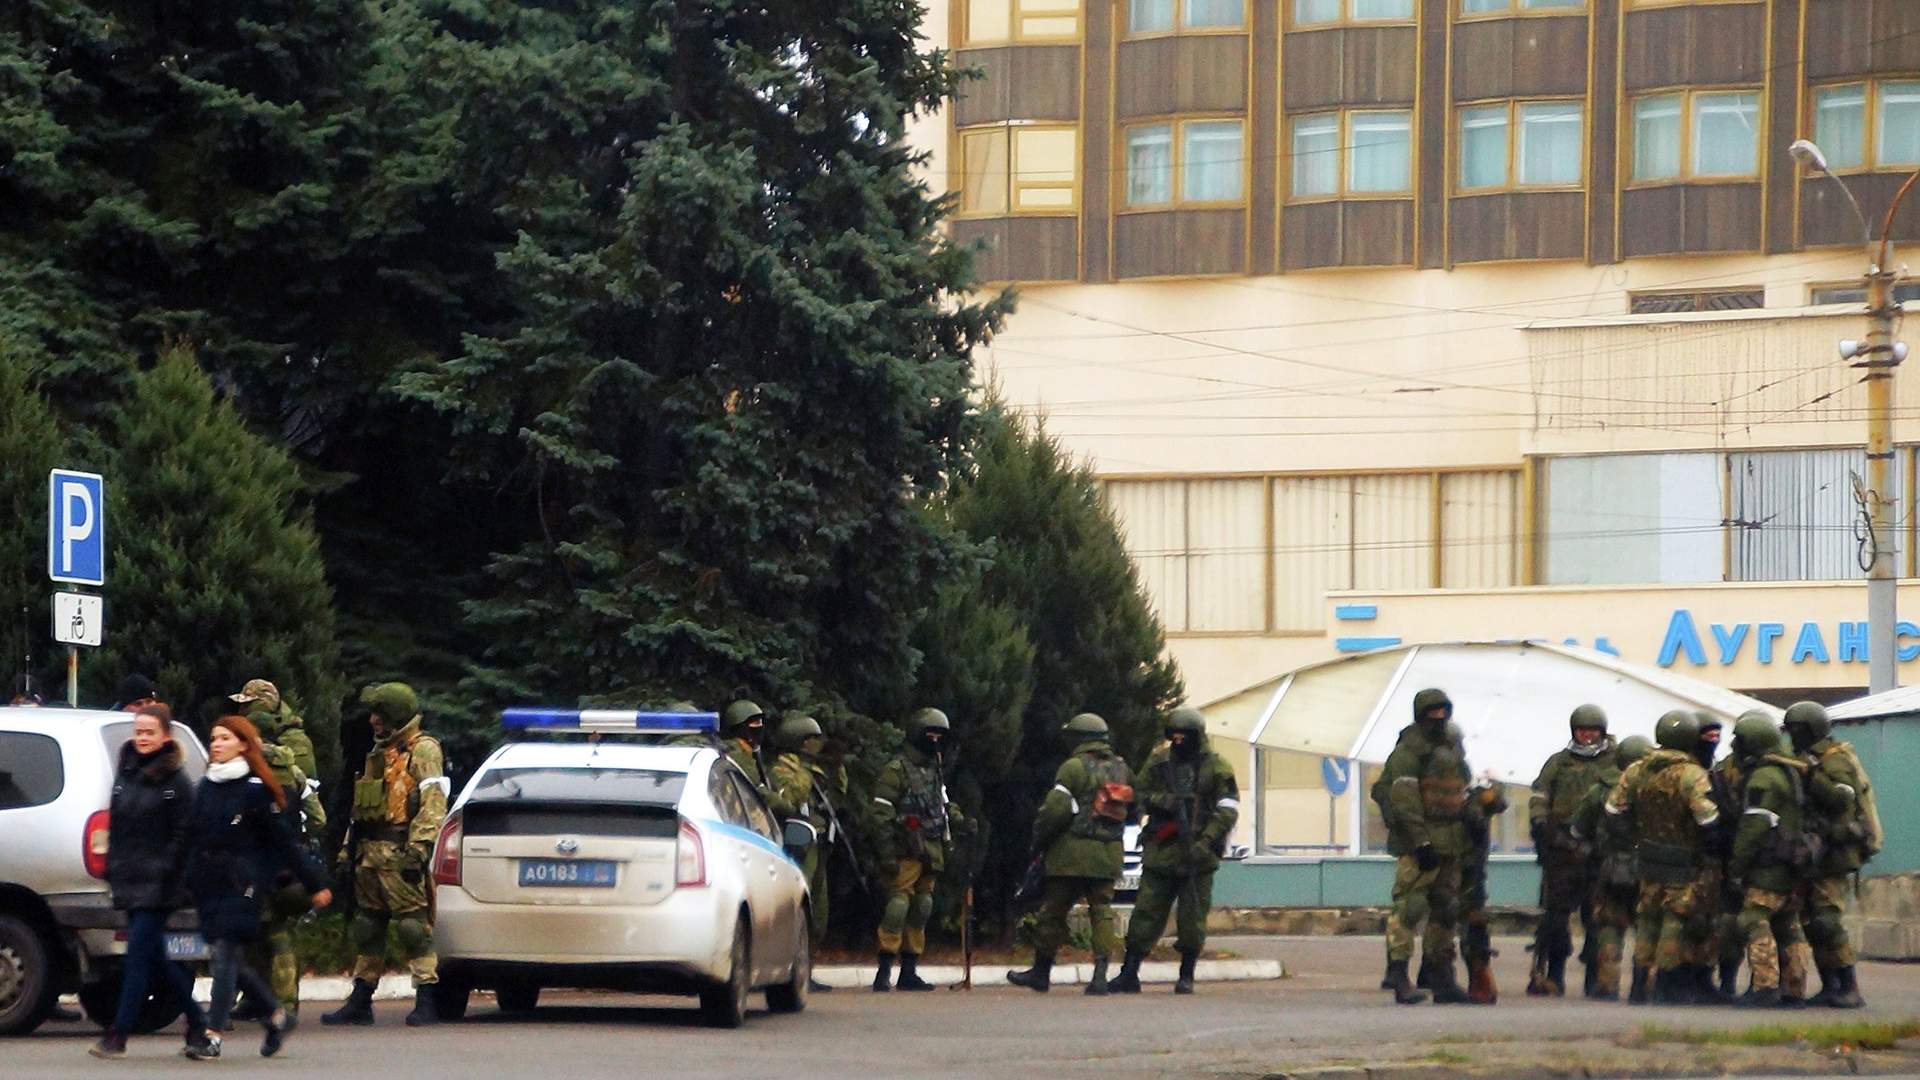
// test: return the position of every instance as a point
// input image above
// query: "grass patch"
(1851, 1035)
(1449, 1057)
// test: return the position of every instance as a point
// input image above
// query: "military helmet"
(1708, 719)
(795, 730)
(1431, 698)
(1631, 749)
(1812, 716)
(1087, 724)
(1756, 734)
(927, 720)
(1677, 730)
(1587, 716)
(739, 714)
(395, 702)
(683, 706)
(1186, 718)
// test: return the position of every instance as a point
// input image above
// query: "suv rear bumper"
(95, 911)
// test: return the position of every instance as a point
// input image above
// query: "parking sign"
(76, 527)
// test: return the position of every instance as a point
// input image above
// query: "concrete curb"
(328, 988)
(853, 978)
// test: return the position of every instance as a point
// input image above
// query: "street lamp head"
(1806, 153)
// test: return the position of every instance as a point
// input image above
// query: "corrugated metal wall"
(1153, 513)
(1479, 537)
(1795, 514)
(1393, 532)
(1312, 547)
(1226, 536)
(1633, 519)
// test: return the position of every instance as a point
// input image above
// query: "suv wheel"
(725, 1006)
(27, 989)
(455, 992)
(791, 996)
(100, 999)
(517, 997)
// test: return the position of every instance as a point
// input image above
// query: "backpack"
(1104, 817)
(1799, 850)
(1865, 828)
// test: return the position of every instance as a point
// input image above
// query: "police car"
(606, 864)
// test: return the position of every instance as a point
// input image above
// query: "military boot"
(1446, 984)
(1704, 990)
(1097, 986)
(1557, 976)
(1537, 984)
(1759, 997)
(1386, 980)
(883, 976)
(1039, 977)
(1184, 984)
(910, 975)
(426, 1006)
(1424, 980)
(1730, 977)
(1673, 986)
(1128, 981)
(1637, 993)
(1480, 986)
(358, 1009)
(1847, 994)
(1403, 991)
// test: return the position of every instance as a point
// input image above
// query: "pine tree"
(214, 572)
(31, 443)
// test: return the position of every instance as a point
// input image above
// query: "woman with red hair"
(242, 838)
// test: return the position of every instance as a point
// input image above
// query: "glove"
(1426, 858)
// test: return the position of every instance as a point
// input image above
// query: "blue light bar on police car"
(632, 721)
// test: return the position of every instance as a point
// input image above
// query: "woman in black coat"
(147, 829)
(242, 837)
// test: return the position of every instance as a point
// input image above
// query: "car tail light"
(446, 853)
(93, 844)
(690, 861)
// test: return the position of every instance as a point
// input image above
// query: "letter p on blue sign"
(76, 528)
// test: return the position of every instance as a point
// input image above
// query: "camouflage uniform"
(1613, 889)
(399, 804)
(1664, 801)
(1763, 859)
(913, 822)
(1566, 884)
(1840, 797)
(1422, 794)
(1485, 803)
(290, 752)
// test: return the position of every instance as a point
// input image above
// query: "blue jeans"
(146, 955)
(229, 969)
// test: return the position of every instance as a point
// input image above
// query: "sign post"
(77, 555)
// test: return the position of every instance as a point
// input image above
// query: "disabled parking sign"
(76, 527)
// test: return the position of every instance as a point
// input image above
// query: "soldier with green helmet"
(1771, 857)
(798, 783)
(1422, 795)
(1664, 804)
(399, 804)
(743, 730)
(1192, 802)
(1486, 801)
(1614, 886)
(1840, 796)
(1565, 886)
(913, 823)
(1079, 832)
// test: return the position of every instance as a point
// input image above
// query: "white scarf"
(223, 772)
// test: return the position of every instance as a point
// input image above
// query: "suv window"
(32, 772)
(193, 759)
(759, 818)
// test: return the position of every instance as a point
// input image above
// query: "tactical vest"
(387, 793)
(1791, 844)
(1443, 784)
(922, 801)
(1668, 847)
(1860, 827)
(1103, 814)
(1571, 782)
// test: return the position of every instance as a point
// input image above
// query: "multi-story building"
(1454, 319)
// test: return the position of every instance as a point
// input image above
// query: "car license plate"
(186, 945)
(1129, 882)
(574, 873)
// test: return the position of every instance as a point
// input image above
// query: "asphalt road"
(1329, 1007)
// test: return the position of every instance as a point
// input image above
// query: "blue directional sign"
(76, 527)
(1336, 774)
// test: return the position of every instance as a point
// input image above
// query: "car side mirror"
(798, 835)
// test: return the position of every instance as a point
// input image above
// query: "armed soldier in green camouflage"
(743, 732)
(1771, 857)
(1841, 798)
(399, 804)
(913, 822)
(1422, 795)
(1663, 802)
(1079, 831)
(1192, 802)
(797, 783)
(1615, 889)
(1565, 885)
(1486, 801)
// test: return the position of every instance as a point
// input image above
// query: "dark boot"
(1386, 981)
(1557, 975)
(112, 1044)
(1637, 994)
(1039, 977)
(358, 1009)
(1446, 984)
(279, 1024)
(1424, 980)
(1128, 981)
(1480, 986)
(1759, 998)
(1704, 991)
(426, 1006)
(1673, 987)
(883, 976)
(1847, 994)
(1730, 977)
(1403, 991)
(909, 974)
(1184, 984)
(1097, 986)
(1590, 981)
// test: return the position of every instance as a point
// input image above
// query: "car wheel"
(454, 994)
(791, 996)
(517, 997)
(725, 1006)
(27, 989)
(100, 1000)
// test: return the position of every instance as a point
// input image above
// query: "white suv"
(59, 932)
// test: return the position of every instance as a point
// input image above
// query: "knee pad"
(921, 908)
(415, 937)
(1825, 928)
(368, 934)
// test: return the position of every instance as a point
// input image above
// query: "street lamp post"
(1878, 355)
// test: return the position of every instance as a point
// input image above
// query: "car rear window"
(31, 770)
(650, 787)
(193, 759)
(584, 802)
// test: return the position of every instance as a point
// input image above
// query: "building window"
(1843, 116)
(1548, 151)
(1378, 157)
(1312, 12)
(1668, 302)
(1167, 16)
(1483, 7)
(1855, 293)
(1019, 168)
(1696, 135)
(1207, 158)
(993, 21)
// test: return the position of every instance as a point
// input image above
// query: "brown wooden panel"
(1825, 217)
(1550, 56)
(1483, 59)
(1144, 77)
(1310, 68)
(1046, 83)
(1377, 232)
(1546, 224)
(1378, 66)
(983, 99)
(1479, 227)
(1185, 74)
(1310, 235)
(1096, 144)
(1431, 159)
(1264, 120)
(1722, 217)
(1210, 242)
(990, 258)
(1143, 244)
(1602, 166)
(1896, 36)
(1043, 249)
(1783, 112)
(1708, 45)
(1650, 220)
(1839, 40)
(1653, 51)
